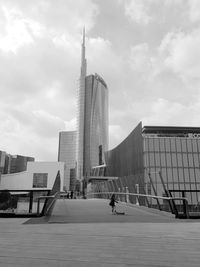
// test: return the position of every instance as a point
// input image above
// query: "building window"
(40, 180)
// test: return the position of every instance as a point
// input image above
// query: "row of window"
(172, 160)
(176, 175)
(172, 144)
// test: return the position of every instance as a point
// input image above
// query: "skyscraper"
(81, 113)
(92, 120)
(66, 154)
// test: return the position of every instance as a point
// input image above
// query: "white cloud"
(18, 30)
(103, 59)
(40, 48)
(116, 134)
(136, 10)
(156, 12)
(71, 125)
(182, 53)
(30, 133)
(165, 112)
(194, 10)
(58, 15)
(38, 81)
(171, 2)
(140, 59)
(46, 124)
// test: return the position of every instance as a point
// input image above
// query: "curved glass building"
(157, 160)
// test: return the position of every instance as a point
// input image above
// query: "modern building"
(24, 188)
(81, 114)
(66, 154)
(92, 118)
(155, 158)
(19, 163)
(2, 161)
(40, 175)
(96, 123)
(13, 163)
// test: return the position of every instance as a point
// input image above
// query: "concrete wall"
(24, 180)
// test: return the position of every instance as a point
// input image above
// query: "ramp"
(99, 211)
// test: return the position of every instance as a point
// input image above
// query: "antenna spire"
(84, 35)
(83, 59)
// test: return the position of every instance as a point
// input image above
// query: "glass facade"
(81, 114)
(96, 123)
(67, 153)
(177, 159)
(13, 163)
(92, 120)
(157, 161)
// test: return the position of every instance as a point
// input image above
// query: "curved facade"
(126, 162)
(157, 160)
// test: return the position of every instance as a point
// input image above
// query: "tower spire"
(83, 59)
(84, 35)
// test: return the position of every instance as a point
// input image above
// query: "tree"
(5, 199)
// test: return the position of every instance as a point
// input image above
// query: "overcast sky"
(147, 51)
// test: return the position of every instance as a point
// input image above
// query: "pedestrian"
(112, 203)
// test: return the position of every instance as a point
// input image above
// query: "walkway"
(92, 244)
(99, 211)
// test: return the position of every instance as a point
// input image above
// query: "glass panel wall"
(177, 159)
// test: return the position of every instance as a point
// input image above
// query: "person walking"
(112, 203)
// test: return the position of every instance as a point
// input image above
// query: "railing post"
(119, 194)
(31, 202)
(185, 205)
(38, 207)
(127, 196)
(137, 191)
(172, 204)
(154, 190)
(146, 192)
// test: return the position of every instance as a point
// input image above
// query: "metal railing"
(171, 200)
(49, 202)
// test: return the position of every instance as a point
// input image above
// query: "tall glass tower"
(92, 118)
(81, 113)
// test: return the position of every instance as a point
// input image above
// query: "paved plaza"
(119, 241)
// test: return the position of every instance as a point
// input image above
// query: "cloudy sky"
(147, 51)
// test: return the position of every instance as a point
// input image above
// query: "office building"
(66, 154)
(92, 126)
(155, 158)
(37, 175)
(13, 163)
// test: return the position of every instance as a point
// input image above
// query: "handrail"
(55, 196)
(138, 194)
(184, 199)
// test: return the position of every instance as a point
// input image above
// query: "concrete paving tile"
(151, 244)
(113, 265)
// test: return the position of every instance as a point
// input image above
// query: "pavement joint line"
(73, 260)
